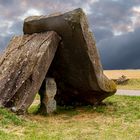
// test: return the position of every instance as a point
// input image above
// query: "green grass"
(7, 117)
(132, 84)
(118, 120)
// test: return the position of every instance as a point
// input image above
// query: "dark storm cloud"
(122, 52)
(115, 15)
(102, 33)
(107, 18)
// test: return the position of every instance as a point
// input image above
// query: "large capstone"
(23, 67)
(76, 67)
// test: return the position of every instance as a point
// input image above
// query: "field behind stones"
(132, 75)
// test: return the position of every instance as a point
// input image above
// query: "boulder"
(23, 67)
(76, 67)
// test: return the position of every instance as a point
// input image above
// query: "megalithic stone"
(47, 93)
(23, 67)
(76, 67)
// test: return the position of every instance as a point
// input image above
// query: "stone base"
(47, 93)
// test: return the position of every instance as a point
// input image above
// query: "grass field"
(118, 120)
(133, 75)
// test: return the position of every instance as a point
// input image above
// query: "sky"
(114, 23)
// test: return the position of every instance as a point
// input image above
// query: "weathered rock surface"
(23, 67)
(76, 67)
(47, 93)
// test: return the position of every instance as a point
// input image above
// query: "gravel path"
(128, 92)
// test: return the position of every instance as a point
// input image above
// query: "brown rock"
(23, 67)
(76, 67)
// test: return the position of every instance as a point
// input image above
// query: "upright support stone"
(23, 67)
(47, 93)
(76, 67)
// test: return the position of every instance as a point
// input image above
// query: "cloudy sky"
(115, 24)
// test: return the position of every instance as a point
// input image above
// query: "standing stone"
(76, 67)
(47, 93)
(23, 67)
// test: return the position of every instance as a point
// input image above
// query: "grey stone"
(76, 67)
(23, 67)
(47, 94)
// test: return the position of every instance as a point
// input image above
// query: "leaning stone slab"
(23, 67)
(76, 67)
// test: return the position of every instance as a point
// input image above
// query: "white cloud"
(6, 23)
(119, 29)
(87, 9)
(5, 26)
(117, 33)
(122, 29)
(87, 6)
(92, 1)
(136, 16)
(115, 0)
(30, 12)
(136, 9)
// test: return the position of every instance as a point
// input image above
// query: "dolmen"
(57, 58)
